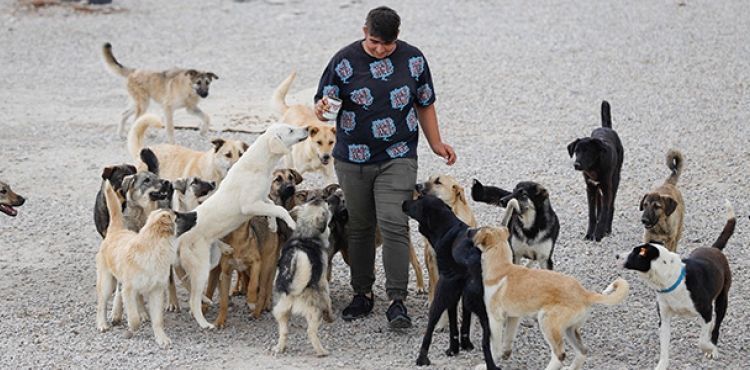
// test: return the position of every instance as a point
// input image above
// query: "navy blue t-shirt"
(378, 120)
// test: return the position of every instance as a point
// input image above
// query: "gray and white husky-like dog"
(301, 285)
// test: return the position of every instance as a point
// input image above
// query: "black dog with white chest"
(599, 157)
(459, 265)
(533, 230)
(694, 286)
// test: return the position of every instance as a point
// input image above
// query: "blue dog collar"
(676, 284)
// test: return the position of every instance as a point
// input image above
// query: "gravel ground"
(515, 84)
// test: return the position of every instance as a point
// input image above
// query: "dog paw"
(506, 354)
(588, 237)
(278, 349)
(450, 352)
(423, 361)
(127, 334)
(163, 341)
(207, 325)
(172, 307)
(480, 367)
(102, 328)
(466, 344)
(711, 355)
(327, 317)
(116, 321)
(321, 353)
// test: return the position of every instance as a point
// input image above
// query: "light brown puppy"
(172, 89)
(511, 292)
(9, 200)
(180, 162)
(315, 153)
(453, 194)
(663, 208)
(255, 253)
(141, 262)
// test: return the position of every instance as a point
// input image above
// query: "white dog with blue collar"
(694, 286)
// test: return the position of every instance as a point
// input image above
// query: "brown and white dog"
(9, 200)
(141, 262)
(663, 208)
(511, 292)
(315, 153)
(180, 162)
(694, 286)
(172, 89)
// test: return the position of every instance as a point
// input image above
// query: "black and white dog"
(599, 157)
(535, 228)
(694, 286)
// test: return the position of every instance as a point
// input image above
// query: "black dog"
(599, 157)
(459, 265)
(535, 228)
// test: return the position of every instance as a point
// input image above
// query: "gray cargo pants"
(374, 194)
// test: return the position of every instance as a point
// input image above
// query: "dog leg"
(704, 343)
(142, 312)
(267, 272)
(117, 306)
(205, 120)
(104, 287)
(173, 304)
(604, 217)
(417, 268)
(194, 258)
(511, 327)
(443, 300)
(453, 330)
(313, 323)
(497, 323)
(169, 115)
(125, 116)
(664, 334)
(486, 334)
(156, 309)
(268, 210)
(574, 337)
(254, 280)
(281, 313)
(554, 338)
(213, 281)
(131, 308)
(591, 196)
(328, 310)
(225, 280)
(432, 272)
(466, 327)
(720, 310)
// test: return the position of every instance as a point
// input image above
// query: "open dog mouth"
(8, 210)
(161, 194)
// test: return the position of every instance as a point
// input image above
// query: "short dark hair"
(383, 22)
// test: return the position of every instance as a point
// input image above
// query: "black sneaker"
(361, 306)
(397, 316)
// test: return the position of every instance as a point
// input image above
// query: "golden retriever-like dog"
(315, 153)
(172, 89)
(511, 292)
(663, 208)
(141, 262)
(180, 162)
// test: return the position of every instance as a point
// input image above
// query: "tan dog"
(255, 253)
(452, 193)
(172, 89)
(141, 262)
(511, 292)
(663, 208)
(315, 153)
(180, 162)
(9, 199)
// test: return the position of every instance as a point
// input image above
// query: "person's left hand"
(446, 151)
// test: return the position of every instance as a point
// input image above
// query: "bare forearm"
(429, 123)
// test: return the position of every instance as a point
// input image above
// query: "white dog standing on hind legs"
(694, 286)
(242, 195)
(301, 282)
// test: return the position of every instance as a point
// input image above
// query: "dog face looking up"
(312, 219)
(9, 199)
(227, 152)
(323, 138)
(656, 208)
(444, 187)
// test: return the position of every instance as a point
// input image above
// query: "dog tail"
(675, 161)
(135, 136)
(113, 207)
(278, 101)
(606, 116)
(614, 294)
(728, 230)
(113, 64)
(512, 207)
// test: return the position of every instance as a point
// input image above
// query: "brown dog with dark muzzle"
(663, 208)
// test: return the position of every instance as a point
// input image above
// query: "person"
(387, 92)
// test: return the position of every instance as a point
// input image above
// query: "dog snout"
(20, 201)
(577, 165)
(202, 93)
(405, 206)
(419, 188)
(471, 233)
(325, 158)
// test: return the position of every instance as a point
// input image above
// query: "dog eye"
(330, 142)
(437, 181)
(320, 142)
(228, 155)
(146, 181)
(3, 191)
(278, 179)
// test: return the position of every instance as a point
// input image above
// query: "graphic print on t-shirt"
(411, 120)
(348, 121)
(397, 150)
(331, 91)
(344, 70)
(383, 128)
(362, 97)
(381, 69)
(359, 153)
(416, 67)
(424, 93)
(400, 97)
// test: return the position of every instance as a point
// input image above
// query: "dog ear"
(181, 185)
(276, 146)
(297, 176)
(670, 205)
(312, 130)
(127, 183)
(643, 203)
(245, 146)
(294, 213)
(572, 147)
(330, 189)
(191, 73)
(541, 191)
(218, 143)
(149, 158)
(333, 129)
(212, 76)
(107, 172)
(459, 192)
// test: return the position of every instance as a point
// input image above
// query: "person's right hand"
(321, 107)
